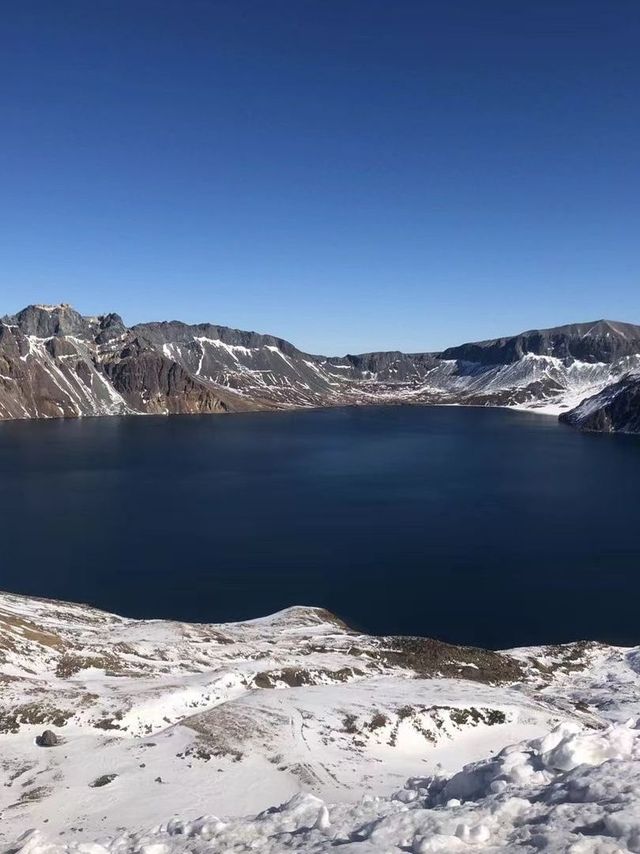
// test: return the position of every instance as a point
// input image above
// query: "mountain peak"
(61, 306)
(43, 321)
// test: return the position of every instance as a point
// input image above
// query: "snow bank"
(572, 791)
(534, 763)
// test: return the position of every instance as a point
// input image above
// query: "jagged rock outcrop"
(149, 382)
(54, 362)
(616, 409)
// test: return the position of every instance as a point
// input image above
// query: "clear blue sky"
(349, 174)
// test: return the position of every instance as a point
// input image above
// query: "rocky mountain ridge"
(55, 362)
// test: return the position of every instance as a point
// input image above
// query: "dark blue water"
(477, 526)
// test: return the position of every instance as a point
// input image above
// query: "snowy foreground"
(295, 733)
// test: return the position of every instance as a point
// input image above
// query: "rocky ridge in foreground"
(55, 363)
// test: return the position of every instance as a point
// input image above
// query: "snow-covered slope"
(56, 363)
(365, 741)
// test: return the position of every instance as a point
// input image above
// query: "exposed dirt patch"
(428, 658)
(432, 722)
(33, 713)
(70, 664)
(15, 770)
(295, 677)
(31, 796)
(103, 780)
(107, 724)
(223, 732)
(14, 629)
(473, 716)
(568, 658)
(350, 724)
(378, 721)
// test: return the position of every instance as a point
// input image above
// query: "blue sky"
(349, 174)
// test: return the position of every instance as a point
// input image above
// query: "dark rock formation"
(616, 409)
(47, 739)
(56, 363)
(150, 382)
(104, 780)
(601, 341)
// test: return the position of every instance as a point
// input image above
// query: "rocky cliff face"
(55, 362)
(603, 341)
(616, 409)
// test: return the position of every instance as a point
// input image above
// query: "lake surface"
(476, 526)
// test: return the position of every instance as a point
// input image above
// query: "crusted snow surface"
(568, 791)
(294, 732)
